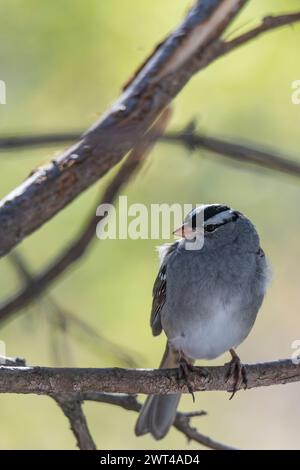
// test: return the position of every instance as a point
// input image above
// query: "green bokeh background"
(64, 63)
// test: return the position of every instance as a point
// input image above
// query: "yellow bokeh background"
(64, 63)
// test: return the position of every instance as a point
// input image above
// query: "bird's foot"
(237, 370)
(185, 368)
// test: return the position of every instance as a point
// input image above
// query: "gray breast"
(213, 296)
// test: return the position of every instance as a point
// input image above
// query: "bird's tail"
(158, 412)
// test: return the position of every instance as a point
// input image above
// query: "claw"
(185, 368)
(238, 371)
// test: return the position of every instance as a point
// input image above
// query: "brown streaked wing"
(159, 292)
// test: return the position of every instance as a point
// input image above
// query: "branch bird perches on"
(49, 380)
(69, 387)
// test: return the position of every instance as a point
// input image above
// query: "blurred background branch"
(40, 282)
(68, 323)
(236, 151)
(190, 138)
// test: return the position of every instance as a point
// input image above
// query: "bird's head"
(206, 219)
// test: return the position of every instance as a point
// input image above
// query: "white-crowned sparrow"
(205, 300)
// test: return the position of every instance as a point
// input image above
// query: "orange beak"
(184, 231)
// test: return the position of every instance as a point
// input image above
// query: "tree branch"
(71, 405)
(235, 151)
(38, 285)
(182, 421)
(182, 424)
(219, 48)
(47, 380)
(268, 23)
(23, 142)
(192, 140)
(54, 186)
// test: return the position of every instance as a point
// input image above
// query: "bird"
(205, 298)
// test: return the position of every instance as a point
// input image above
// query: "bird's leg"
(185, 367)
(237, 370)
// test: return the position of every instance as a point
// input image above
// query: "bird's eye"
(194, 222)
(210, 228)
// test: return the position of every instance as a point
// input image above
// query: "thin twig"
(235, 151)
(182, 424)
(182, 421)
(71, 405)
(268, 23)
(23, 142)
(220, 48)
(192, 140)
(128, 402)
